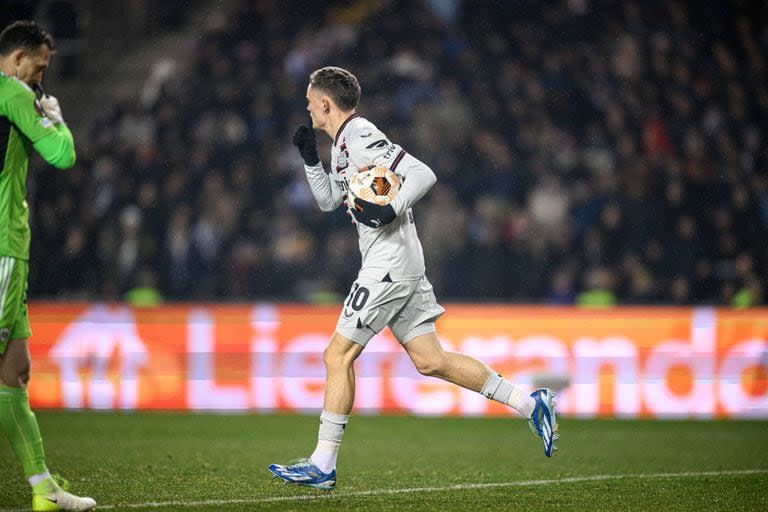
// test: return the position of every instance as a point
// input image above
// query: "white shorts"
(409, 308)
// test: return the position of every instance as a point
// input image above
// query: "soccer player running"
(391, 288)
(27, 121)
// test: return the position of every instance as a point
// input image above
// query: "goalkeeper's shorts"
(409, 308)
(14, 316)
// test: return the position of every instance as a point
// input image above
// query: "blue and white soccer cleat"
(543, 421)
(303, 472)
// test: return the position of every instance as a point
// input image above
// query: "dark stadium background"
(585, 150)
(601, 212)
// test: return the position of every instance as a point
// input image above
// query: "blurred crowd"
(591, 152)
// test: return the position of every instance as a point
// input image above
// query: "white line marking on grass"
(411, 490)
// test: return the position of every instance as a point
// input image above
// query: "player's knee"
(24, 379)
(329, 358)
(17, 377)
(433, 366)
(23, 373)
(335, 359)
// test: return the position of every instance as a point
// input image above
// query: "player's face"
(30, 65)
(318, 108)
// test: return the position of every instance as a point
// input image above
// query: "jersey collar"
(344, 125)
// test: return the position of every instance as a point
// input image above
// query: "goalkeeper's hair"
(341, 85)
(24, 34)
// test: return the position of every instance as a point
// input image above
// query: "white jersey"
(392, 252)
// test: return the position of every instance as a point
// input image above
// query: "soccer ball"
(375, 184)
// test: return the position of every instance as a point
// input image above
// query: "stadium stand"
(581, 158)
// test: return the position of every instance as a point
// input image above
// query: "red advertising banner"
(626, 362)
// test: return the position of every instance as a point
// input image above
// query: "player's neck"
(5, 67)
(337, 122)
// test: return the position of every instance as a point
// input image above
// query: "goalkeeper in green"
(28, 119)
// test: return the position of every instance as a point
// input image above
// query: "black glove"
(305, 140)
(38, 89)
(373, 215)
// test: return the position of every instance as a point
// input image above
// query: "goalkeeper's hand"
(52, 109)
(49, 104)
(372, 214)
(305, 140)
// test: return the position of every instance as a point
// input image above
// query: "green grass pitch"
(159, 462)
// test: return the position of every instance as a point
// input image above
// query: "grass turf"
(132, 459)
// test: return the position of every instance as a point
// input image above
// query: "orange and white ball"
(375, 184)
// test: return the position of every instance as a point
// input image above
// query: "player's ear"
(17, 55)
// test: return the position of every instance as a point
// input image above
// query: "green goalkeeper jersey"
(23, 126)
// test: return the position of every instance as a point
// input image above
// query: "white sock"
(501, 390)
(521, 401)
(36, 479)
(329, 436)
